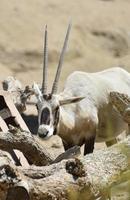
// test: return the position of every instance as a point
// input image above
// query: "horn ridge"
(58, 72)
(45, 62)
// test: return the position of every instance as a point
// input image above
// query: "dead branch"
(19, 95)
(24, 141)
(88, 177)
(70, 153)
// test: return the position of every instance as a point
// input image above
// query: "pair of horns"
(45, 63)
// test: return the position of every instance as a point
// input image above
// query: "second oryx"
(81, 113)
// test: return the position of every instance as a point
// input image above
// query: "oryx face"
(48, 107)
(48, 116)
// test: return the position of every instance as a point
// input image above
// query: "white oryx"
(81, 113)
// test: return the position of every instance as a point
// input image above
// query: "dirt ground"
(100, 37)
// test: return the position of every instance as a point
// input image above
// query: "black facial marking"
(56, 119)
(47, 96)
(45, 116)
(36, 106)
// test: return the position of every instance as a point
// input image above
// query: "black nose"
(43, 134)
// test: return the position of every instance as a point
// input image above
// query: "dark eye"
(45, 116)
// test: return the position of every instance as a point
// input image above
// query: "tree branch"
(88, 177)
(34, 152)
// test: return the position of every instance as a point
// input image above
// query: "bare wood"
(19, 95)
(24, 141)
(121, 102)
(88, 177)
(70, 153)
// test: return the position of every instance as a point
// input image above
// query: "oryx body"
(89, 115)
(94, 117)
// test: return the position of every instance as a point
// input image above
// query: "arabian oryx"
(81, 113)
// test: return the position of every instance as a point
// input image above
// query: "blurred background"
(99, 39)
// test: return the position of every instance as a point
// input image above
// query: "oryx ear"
(70, 100)
(37, 91)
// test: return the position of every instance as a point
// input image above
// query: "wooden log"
(90, 177)
(87, 178)
(24, 141)
(18, 94)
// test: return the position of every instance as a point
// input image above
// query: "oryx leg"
(111, 142)
(66, 145)
(89, 145)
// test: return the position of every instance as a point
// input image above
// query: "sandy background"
(100, 36)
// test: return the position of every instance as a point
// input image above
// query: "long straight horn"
(45, 64)
(55, 84)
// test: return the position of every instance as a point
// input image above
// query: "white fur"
(50, 130)
(93, 115)
(37, 91)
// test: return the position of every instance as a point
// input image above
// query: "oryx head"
(48, 104)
